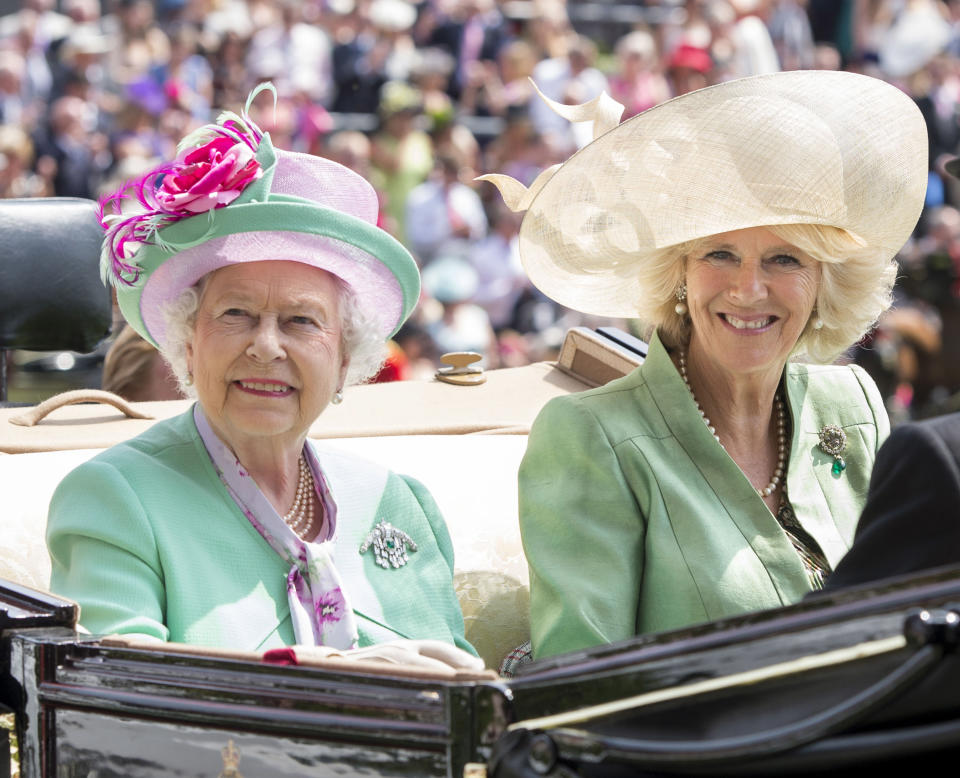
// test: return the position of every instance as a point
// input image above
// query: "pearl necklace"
(300, 515)
(771, 487)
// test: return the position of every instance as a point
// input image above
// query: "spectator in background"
(914, 35)
(451, 137)
(47, 23)
(500, 276)
(638, 83)
(136, 143)
(474, 32)
(401, 153)
(461, 325)
(186, 79)
(491, 89)
(372, 45)
(35, 48)
(752, 50)
(80, 68)
(12, 107)
(422, 357)
(76, 150)
(351, 149)
(229, 68)
(791, 34)
(688, 69)
(444, 215)
(549, 28)
(392, 21)
(430, 74)
(142, 44)
(17, 178)
(134, 369)
(293, 54)
(518, 151)
(826, 57)
(569, 79)
(359, 61)
(448, 133)
(584, 82)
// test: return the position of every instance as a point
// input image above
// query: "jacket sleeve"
(583, 533)
(442, 536)
(103, 553)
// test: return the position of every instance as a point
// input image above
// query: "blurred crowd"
(422, 96)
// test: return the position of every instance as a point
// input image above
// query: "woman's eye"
(234, 312)
(785, 259)
(303, 321)
(721, 255)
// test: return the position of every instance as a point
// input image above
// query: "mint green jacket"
(147, 539)
(635, 520)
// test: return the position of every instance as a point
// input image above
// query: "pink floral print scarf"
(319, 605)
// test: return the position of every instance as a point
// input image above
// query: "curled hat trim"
(602, 110)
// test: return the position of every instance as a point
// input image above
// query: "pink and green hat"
(231, 197)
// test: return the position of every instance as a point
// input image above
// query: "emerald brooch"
(390, 545)
(833, 440)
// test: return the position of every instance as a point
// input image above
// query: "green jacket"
(147, 539)
(635, 520)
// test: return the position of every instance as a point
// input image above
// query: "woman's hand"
(428, 654)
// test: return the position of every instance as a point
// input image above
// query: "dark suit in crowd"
(912, 517)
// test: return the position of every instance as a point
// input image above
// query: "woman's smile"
(264, 388)
(750, 295)
(266, 353)
(748, 324)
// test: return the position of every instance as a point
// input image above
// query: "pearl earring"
(337, 397)
(189, 381)
(681, 306)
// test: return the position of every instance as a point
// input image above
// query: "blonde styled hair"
(855, 288)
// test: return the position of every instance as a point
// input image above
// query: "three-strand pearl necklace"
(771, 487)
(300, 516)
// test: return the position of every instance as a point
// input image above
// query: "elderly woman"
(754, 225)
(263, 279)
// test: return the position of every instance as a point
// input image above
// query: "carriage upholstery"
(472, 478)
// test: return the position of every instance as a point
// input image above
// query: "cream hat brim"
(818, 147)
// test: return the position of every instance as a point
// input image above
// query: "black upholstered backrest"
(51, 296)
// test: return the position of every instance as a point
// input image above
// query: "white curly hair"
(358, 335)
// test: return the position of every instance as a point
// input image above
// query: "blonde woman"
(754, 225)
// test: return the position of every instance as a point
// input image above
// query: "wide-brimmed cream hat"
(818, 147)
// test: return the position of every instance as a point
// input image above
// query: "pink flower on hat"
(220, 164)
(210, 176)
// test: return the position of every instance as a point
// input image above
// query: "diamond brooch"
(833, 440)
(390, 545)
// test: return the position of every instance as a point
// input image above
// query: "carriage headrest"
(51, 296)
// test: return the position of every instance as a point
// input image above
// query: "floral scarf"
(319, 607)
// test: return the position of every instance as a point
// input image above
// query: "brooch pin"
(833, 441)
(390, 545)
